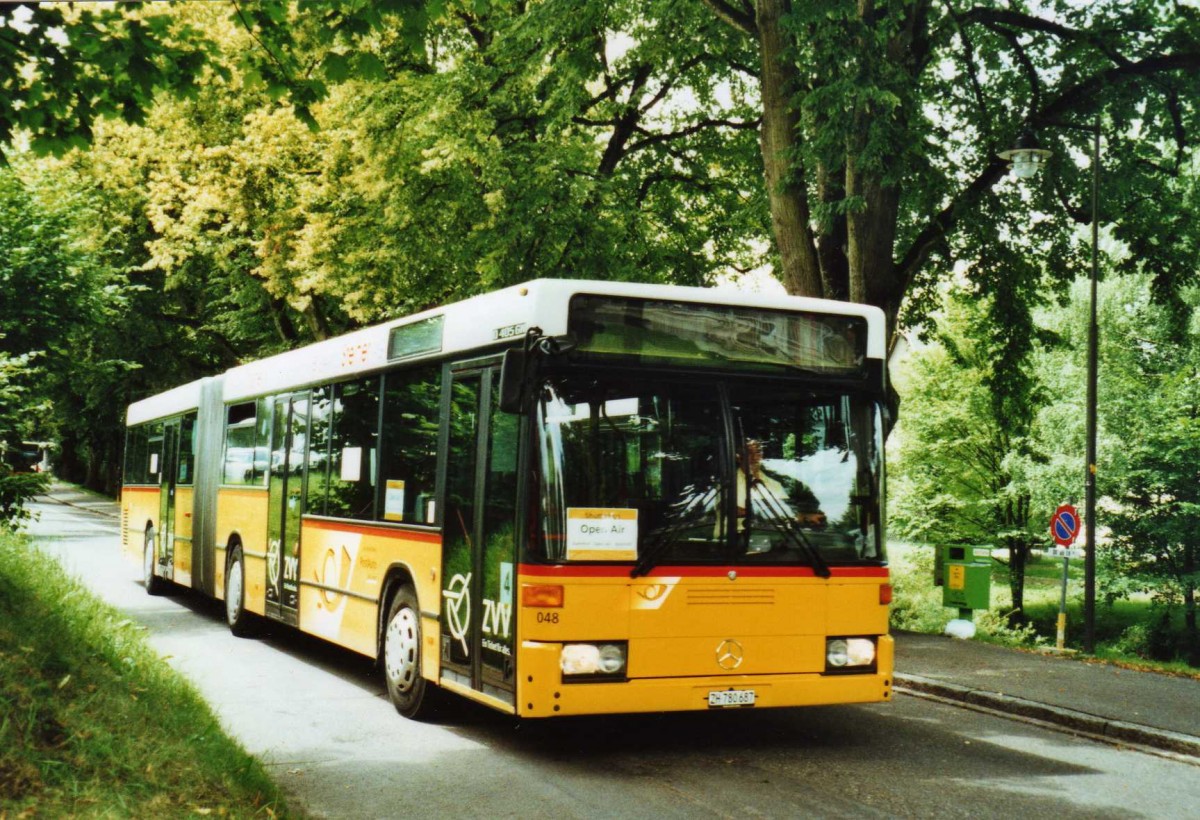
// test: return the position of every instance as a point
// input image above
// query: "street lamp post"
(1026, 158)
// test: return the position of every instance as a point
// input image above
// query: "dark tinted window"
(353, 448)
(136, 455)
(186, 473)
(409, 445)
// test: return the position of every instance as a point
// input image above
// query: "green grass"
(1123, 628)
(93, 723)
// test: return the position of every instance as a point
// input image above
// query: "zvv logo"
(458, 609)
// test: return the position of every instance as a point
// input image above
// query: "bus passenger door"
(289, 445)
(478, 550)
(166, 512)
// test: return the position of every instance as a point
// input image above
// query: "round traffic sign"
(1064, 525)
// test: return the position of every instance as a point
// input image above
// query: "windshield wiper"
(667, 535)
(777, 514)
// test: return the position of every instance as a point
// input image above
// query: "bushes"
(15, 490)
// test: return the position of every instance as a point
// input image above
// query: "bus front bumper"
(541, 691)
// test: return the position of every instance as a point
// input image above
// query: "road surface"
(320, 719)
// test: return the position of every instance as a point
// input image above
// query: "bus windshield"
(724, 472)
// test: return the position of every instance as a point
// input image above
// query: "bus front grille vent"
(724, 596)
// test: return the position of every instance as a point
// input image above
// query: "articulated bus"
(561, 498)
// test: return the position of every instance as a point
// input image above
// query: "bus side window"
(350, 486)
(154, 453)
(136, 459)
(186, 469)
(262, 442)
(240, 461)
(411, 407)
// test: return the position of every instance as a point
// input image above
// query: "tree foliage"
(888, 115)
(65, 66)
(967, 432)
(1153, 369)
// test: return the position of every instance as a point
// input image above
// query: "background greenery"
(189, 186)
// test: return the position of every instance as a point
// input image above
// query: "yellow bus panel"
(139, 509)
(343, 568)
(541, 692)
(242, 512)
(702, 630)
(183, 536)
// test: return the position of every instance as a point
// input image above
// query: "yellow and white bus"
(561, 498)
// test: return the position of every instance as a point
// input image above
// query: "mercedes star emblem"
(730, 654)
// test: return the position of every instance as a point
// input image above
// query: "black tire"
(411, 694)
(154, 584)
(241, 623)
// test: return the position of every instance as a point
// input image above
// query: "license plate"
(731, 697)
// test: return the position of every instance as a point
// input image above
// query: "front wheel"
(154, 584)
(241, 622)
(410, 693)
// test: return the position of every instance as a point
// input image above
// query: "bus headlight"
(594, 661)
(846, 654)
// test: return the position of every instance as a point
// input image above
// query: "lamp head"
(1027, 156)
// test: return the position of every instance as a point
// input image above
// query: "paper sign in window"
(602, 534)
(351, 463)
(393, 500)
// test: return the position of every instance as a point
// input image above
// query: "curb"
(1102, 727)
(101, 507)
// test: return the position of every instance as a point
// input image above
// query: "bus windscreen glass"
(644, 471)
(754, 338)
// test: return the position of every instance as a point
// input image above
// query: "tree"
(65, 66)
(970, 402)
(882, 119)
(518, 142)
(16, 487)
(1153, 368)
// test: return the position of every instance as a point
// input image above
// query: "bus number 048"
(547, 617)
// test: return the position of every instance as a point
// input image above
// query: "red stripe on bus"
(560, 571)
(140, 490)
(367, 529)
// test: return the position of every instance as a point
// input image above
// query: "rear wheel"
(410, 693)
(241, 622)
(154, 584)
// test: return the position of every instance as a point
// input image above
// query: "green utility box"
(965, 576)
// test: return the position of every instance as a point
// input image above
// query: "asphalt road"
(320, 719)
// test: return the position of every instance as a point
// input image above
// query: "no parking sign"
(1064, 529)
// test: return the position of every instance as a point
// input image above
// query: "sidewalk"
(74, 496)
(1124, 705)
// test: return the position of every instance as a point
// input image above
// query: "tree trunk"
(871, 236)
(1018, 557)
(1190, 631)
(831, 237)
(786, 189)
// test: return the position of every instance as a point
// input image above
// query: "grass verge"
(93, 723)
(1120, 626)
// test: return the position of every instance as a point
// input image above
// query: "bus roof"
(173, 402)
(490, 320)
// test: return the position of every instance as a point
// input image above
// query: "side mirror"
(512, 380)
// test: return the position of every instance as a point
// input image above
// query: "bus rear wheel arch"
(410, 693)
